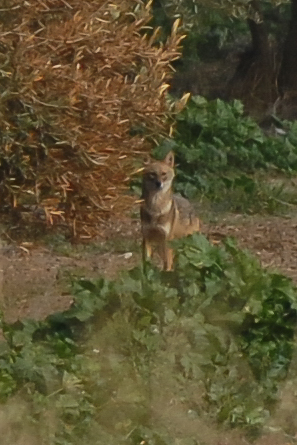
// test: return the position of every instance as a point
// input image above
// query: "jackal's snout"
(159, 184)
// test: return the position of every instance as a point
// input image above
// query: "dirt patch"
(35, 278)
(34, 282)
(272, 239)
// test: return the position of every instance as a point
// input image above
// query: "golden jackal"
(164, 216)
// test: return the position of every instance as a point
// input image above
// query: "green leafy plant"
(217, 335)
(219, 150)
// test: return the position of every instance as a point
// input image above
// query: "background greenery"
(223, 155)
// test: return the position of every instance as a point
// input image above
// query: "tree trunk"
(259, 52)
(254, 79)
(288, 71)
(260, 44)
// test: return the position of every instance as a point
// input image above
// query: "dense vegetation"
(216, 336)
(224, 155)
(71, 98)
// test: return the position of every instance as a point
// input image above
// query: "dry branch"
(76, 78)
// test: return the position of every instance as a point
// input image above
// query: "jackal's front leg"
(146, 250)
(167, 256)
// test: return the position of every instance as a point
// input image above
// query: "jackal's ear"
(147, 160)
(169, 159)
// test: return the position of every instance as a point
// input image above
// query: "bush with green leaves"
(216, 336)
(219, 149)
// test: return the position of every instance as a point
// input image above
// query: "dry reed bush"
(77, 79)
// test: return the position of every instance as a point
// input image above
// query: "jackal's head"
(158, 175)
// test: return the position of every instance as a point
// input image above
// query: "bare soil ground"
(272, 239)
(34, 278)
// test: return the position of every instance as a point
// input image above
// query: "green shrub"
(217, 147)
(217, 334)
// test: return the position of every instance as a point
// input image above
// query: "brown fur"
(164, 216)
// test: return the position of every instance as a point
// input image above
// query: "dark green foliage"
(219, 322)
(209, 30)
(216, 136)
(218, 149)
(261, 305)
(215, 29)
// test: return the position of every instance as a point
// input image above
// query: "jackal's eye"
(164, 175)
(151, 176)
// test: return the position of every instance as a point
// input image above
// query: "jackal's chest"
(155, 225)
